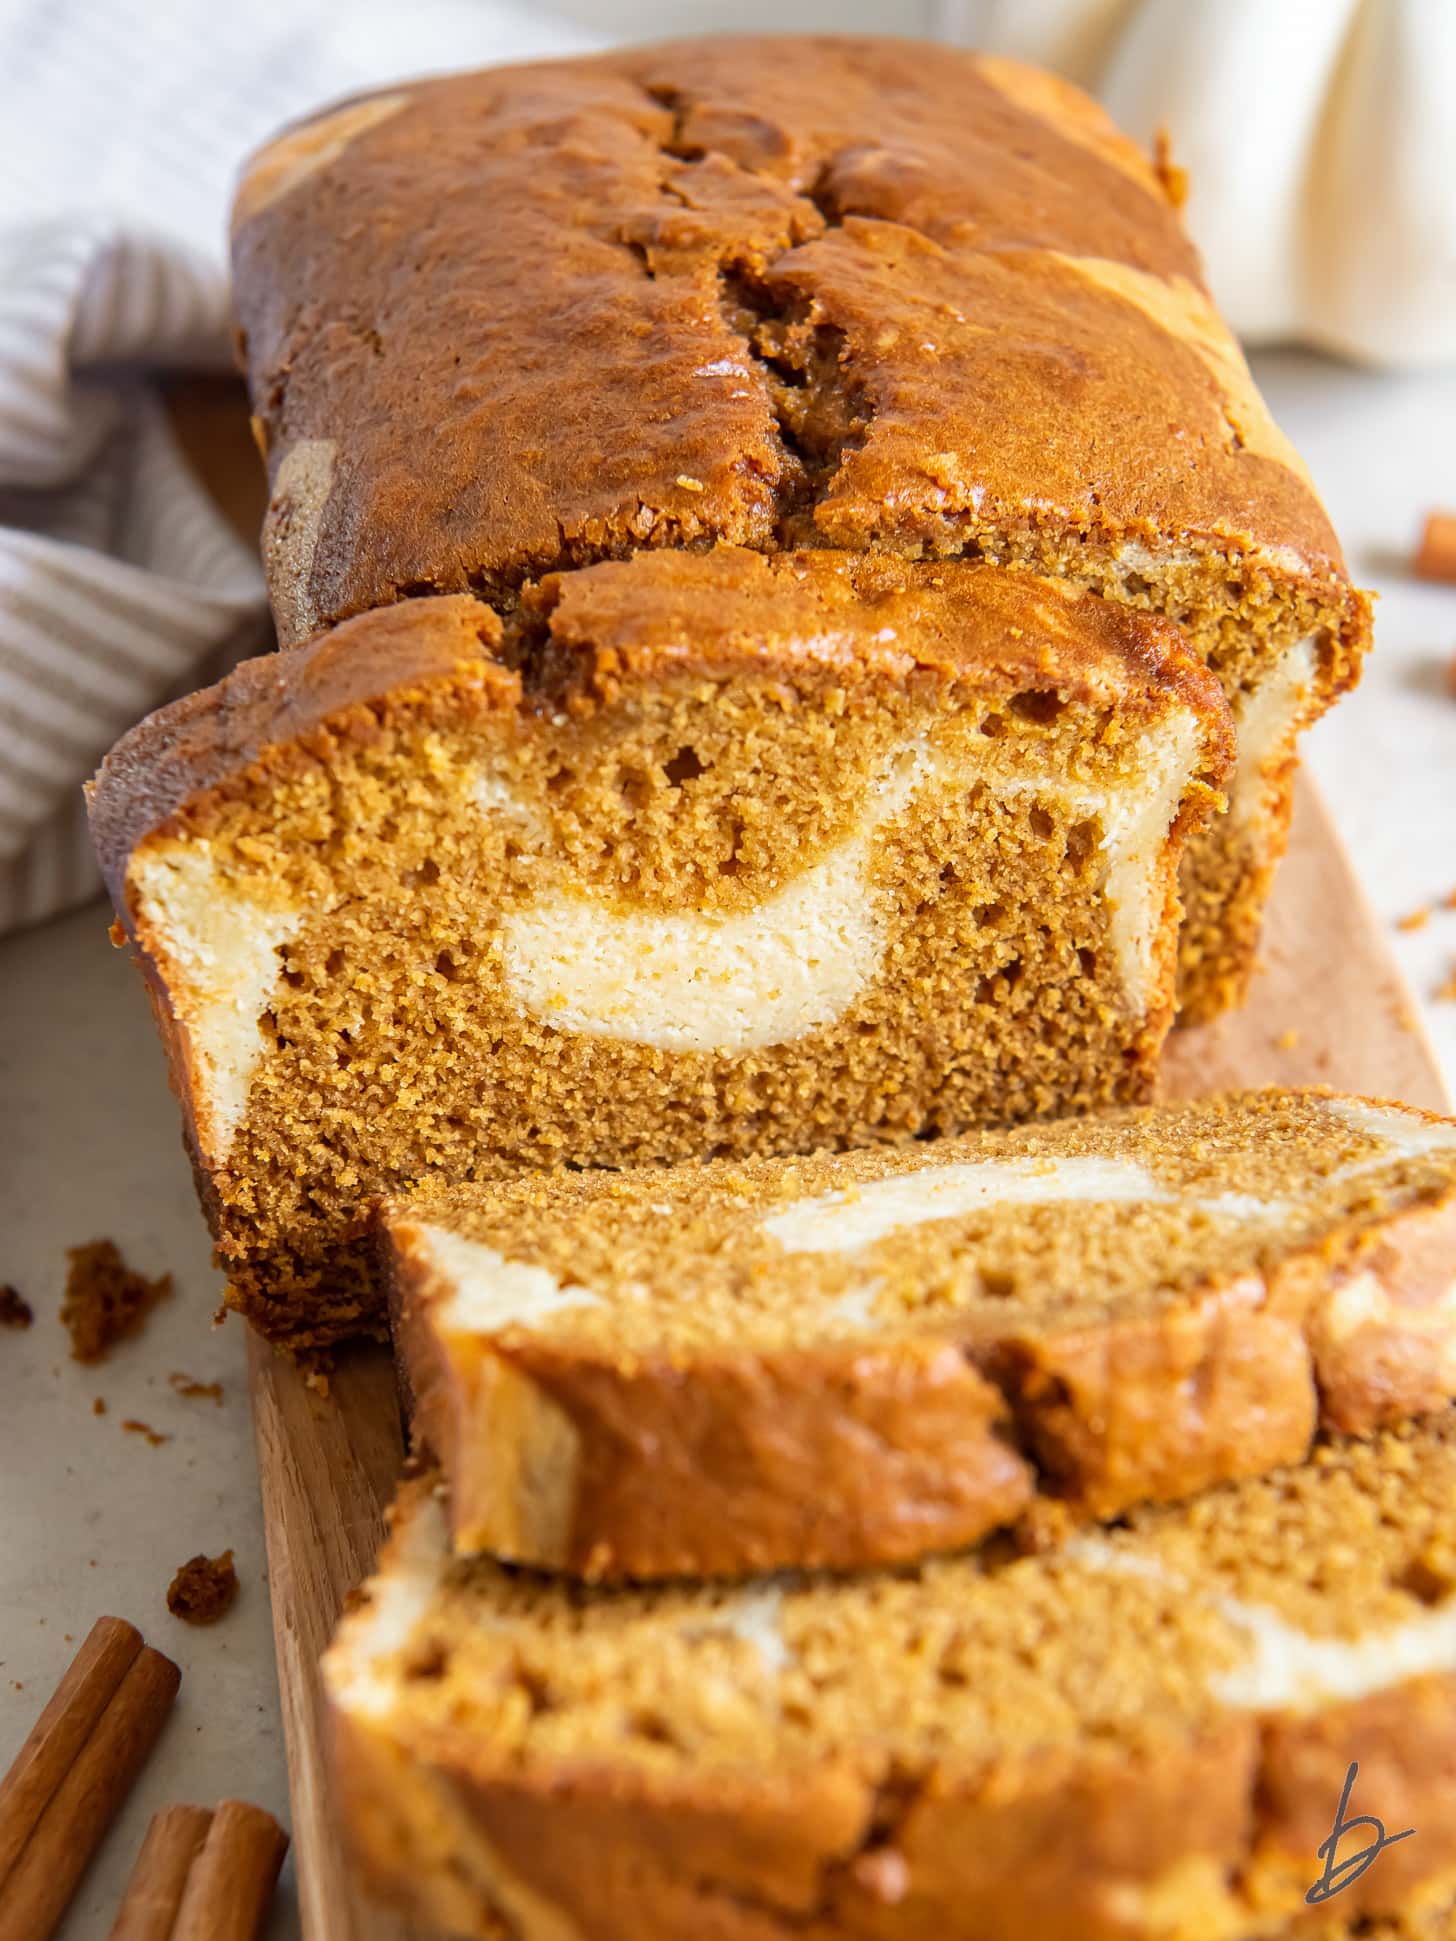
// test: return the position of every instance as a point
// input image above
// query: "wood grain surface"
(1328, 1008)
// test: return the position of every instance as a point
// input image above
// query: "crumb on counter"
(134, 1428)
(191, 1389)
(1414, 919)
(104, 1300)
(1446, 993)
(15, 1312)
(1173, 178)
(1436, 554)
(1287, 1040)
(203, 1589)
(98, 1406)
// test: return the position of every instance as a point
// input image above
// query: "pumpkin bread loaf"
(882, 848)
(1142, 1736)
(863, 1357)
(834, 293)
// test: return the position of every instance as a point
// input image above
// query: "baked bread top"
(858, 1358)
(1145, 1733)
(840, 292)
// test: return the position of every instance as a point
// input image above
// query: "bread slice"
(860, 1358)
(1145, 1734)
(890, 849)
(855, 294)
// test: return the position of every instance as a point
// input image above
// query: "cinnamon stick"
(83, 1805)
(154, 1892)
(83, 1694)
(233, 1877)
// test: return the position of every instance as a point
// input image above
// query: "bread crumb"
(104, 1300)
(14, 1312)
(1416, 920)
(1436, 554)
(154, 1436)
(1287, 1040)
(1446, 993)
(193, 1390)
(203, 1589)
(1044, 1525)
(1173, 178)
(98, 1407)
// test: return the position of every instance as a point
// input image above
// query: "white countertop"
(94, 1520)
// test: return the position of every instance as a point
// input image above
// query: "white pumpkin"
(1319, 138)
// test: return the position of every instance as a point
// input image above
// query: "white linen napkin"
(122, 130)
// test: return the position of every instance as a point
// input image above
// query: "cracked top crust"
(791, 292)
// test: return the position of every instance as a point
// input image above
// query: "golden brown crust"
(1090, 1849)
(868, 1450)
(1381, 1337)
(1009, 326)
(214, 737)
(658, 1467)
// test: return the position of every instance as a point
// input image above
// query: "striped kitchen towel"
(122, 129)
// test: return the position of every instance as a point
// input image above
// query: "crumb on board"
(1415, 919)
(203, 1589)
(134, 1428)
(1287, 1040)
(191, 1389)
(15, 1312)
(1446, 993)
(98, 1406)
(104, 1300)
(1045, 1525)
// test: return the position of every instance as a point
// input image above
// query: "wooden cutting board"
(1329, 1007)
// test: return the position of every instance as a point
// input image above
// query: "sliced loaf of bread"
(1144, 1736)
(870, 848)
(828, 293)
(863, 1357)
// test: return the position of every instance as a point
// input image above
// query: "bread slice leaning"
(1144, 1734)
(861, 1358)
(693, 853)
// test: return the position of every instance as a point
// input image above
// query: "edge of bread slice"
(863, 1358)
(1143, 1735)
